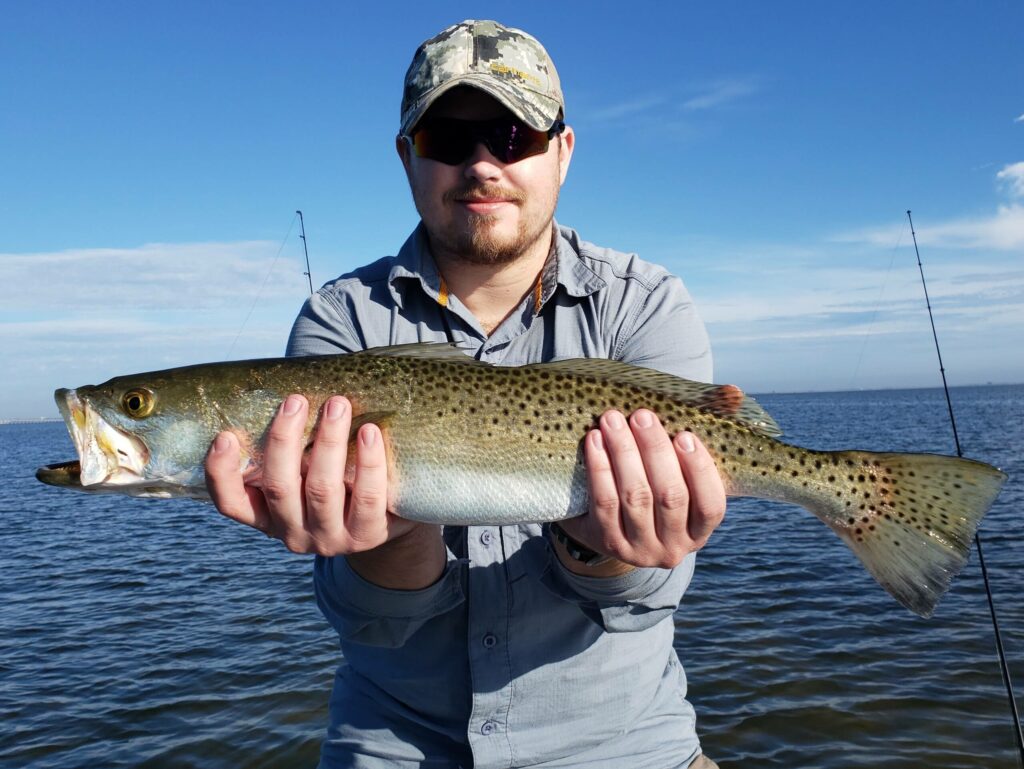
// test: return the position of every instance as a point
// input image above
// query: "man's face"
(482, 210)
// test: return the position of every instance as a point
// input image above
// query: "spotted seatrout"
(470, 443)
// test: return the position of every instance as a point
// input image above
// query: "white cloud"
(1013, 176)
(720, 93)
(663, 106)
(1001, 231)
(1019, 119)
(153, 276)
(628, 108)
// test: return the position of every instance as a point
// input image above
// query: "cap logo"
(504, 69)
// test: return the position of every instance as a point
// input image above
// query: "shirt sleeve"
(321, 328)
(664, 332)
(628, 603)
(365, 613)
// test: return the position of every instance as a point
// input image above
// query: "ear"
(404, 152)
(565, 148)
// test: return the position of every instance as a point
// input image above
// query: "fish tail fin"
(910, 518)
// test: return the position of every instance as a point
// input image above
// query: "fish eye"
(138, 403)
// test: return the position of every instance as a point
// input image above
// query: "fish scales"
(470, 443)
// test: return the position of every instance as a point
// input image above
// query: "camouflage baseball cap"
(503, 62)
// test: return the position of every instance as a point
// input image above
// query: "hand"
(653, 500)
(310, 510)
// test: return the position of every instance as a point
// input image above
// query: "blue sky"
(152, 156)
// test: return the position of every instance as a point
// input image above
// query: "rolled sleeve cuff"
(377, 616)
(635, 585)
(630, 602)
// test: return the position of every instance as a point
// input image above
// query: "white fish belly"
(444, 494)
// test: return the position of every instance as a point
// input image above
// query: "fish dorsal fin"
(727, 401)
(445, 351)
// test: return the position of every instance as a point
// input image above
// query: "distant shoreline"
(757, 393)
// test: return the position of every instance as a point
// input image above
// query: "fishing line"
(874, 313)
(1003, 667)
(256, 299)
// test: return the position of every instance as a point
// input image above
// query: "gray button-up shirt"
(509, 659)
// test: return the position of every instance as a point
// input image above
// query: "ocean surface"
(152, 633)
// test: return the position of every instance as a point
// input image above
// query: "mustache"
(473, 191)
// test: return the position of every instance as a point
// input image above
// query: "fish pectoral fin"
(380, 418)
(383, 420)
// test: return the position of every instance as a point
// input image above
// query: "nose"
(482, 166)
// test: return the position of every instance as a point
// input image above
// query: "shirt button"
(490, 640)
(488, 728)
(486, 538)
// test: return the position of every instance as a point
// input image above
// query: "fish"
(470, 443)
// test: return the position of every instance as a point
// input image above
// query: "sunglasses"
(451, 141)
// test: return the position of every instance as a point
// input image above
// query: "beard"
(479, 241)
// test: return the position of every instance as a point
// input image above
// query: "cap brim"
(537, 110)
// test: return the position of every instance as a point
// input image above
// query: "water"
(157, 634)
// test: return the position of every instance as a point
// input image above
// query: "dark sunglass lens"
(444, 141)
(510, 141)
(451, 141)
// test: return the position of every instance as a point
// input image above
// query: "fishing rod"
(1003, 667)
(309, 277)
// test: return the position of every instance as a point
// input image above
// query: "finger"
(707, 492)
(282, 472)
(636, 500)
(602, 528)
(366, 517)
(325, 476)
(227, 489)
(670, 497)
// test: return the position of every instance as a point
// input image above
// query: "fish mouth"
(61, 474)
(107, 455)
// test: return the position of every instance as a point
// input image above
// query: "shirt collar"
(563, 268)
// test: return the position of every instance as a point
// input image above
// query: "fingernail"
(685, 439)
(615, 420)
(643, 418)
(221, 443)
(335, 409)
(368, 435)
(597, 440)
(291, 405)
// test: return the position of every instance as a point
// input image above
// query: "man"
(512, 646)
